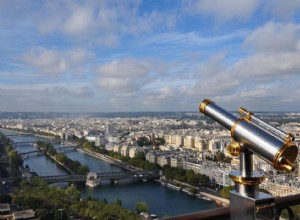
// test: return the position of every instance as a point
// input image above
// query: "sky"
(149, 55)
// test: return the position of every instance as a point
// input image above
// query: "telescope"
(270, 143)
(252, 135)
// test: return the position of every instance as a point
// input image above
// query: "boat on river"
(200, 196)
(169, 185)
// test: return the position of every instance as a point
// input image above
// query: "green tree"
(38, 182)
(16, 160)
(119, 202)
(6, 198)
(226, 191)
(193, 190)
(190, 173)
(159, 141)
(193, 180)
(140, 156)
(72, 193)
(203, 179)
(180, 178)
(60, 157)
(87, 145)
(141, 207)
(51, 151)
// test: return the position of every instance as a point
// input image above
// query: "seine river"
(161, 200)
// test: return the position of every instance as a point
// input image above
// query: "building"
(112, 139)
(110, 128)
(189, 142)
(99, 141)
(163, 160)
(200, 144)
(175, 162)
(125, 151)
(117, 149)
(133, 151)
(151, 157)
(214, 145)
(178, 140)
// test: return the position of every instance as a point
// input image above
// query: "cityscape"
(149, 109)
(184, 140)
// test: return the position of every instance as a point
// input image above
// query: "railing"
(280, 203)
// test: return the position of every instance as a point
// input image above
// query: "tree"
(72, 193)
(225, 191)
(190, 173)
(140, 156)
(159, 141)
(5, 198)
(51, 151)
(16, 160)
(60, 157)
(193, 180)
(141, 207)
(87, 145)
(119, 202)
(38, 182)
(193, 190)
(203, 179)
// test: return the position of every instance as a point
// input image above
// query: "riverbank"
(108, 159)
(220, 201)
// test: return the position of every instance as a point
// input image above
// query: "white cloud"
(213, 66)
(160, 97)
(268, 66)
(274, 38)
(284, 9)
(126, 75)
(223, 10)
(100, 22)
(48, 99)
(83, 91)
(55, 62)
(79, 21)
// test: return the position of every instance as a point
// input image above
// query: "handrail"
(280, 203)
(287, 201)
(218, 213)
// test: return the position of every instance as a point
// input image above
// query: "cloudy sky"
(151, 55)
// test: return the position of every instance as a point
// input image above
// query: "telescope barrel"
(276, 151)
(218, 114)
(268, 127)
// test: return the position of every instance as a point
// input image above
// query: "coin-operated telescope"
(252, 135)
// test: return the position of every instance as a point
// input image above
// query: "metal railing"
(280, 204)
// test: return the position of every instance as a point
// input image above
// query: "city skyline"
(129, 56)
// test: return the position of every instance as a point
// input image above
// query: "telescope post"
(246, 202)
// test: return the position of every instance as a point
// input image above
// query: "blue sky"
(154, 55)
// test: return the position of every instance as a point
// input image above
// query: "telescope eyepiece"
(286, 164)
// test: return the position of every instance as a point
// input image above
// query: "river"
(161, 200)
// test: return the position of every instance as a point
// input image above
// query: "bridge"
(18, 134)
(112, 176)
(32, 142)
(43, 151)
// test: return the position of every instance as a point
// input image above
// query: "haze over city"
(99, 56)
